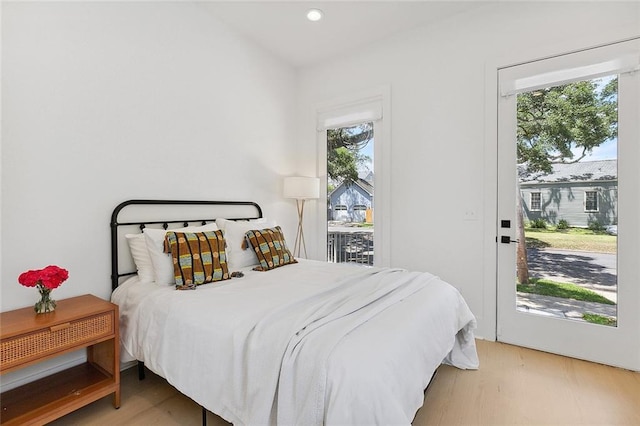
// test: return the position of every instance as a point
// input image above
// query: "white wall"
(104, 102)
(443, 142)
(101, 101)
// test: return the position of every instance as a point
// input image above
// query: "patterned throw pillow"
(198, 257)
(270, 248)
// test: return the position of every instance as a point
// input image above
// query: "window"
(359, 207)
(340, 207)
(535, 201)
(591, 201)
(350, 114)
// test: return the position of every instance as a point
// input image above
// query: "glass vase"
(46, 303)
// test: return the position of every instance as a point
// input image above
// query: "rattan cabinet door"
(47, 341)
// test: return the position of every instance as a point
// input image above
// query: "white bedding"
(308, 343)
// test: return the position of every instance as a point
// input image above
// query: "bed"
(303, 343)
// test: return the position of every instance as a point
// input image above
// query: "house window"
(359, 208)
(591, 201)
(535, 202)
(340, 207)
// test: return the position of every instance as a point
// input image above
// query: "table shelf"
(51, 397)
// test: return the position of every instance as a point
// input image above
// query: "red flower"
(29, 278)
(50, 277)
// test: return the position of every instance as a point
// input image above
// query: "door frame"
(487, 315)
(550, 334)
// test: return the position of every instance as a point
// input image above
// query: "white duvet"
(310, 343)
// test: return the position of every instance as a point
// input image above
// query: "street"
(594, 271)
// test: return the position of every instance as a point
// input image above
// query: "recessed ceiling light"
(314, 15)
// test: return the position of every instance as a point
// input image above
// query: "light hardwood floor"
(514, 386)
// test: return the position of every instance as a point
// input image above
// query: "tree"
(343, 151)
(342, 165)
(554, 121)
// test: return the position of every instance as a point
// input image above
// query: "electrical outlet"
(470, 215)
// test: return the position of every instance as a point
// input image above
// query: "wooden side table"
(27, 338)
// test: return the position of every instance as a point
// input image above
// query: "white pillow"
(234, 234)
(140, 254)
(161, 261)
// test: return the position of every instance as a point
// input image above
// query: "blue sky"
(607, 151)
(368, 151)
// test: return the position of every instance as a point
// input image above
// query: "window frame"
(382, 164)
(539, 194)
(596, 200)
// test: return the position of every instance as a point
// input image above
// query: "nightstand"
(27, 338)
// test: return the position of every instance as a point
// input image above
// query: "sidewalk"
(594, 271)
(560, 307)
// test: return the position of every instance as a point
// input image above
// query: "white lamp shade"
(301, 187)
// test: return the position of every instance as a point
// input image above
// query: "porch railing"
(350, 246)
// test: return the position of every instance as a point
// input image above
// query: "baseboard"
(32, 373)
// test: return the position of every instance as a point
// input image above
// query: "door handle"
(59, 327)
(505, 239)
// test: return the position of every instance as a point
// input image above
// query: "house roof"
(366, 186)
(585, 171)
(366, 175)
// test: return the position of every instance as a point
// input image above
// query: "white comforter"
(310, 343)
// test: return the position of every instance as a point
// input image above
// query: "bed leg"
(431, 380)
(140, 370)
(204, 416)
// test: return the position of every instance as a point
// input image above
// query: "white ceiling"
(282, 28)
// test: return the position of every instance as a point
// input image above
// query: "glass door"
(567, 180)
(568, 188)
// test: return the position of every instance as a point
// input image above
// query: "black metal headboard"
(207, 211)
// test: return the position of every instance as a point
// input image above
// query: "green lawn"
(599, 319)
(565, 290)
(571, 239)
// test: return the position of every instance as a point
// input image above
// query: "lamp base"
(300, 244)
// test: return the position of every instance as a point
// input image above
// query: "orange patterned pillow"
(270, 247)
(198, 258)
